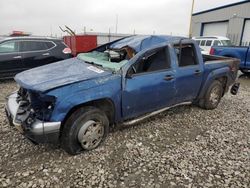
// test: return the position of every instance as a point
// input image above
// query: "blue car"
(75, 101)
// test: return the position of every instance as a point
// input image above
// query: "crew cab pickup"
(242, 53)
(74, 101)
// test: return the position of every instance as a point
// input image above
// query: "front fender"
(215, 74)
(110, 90)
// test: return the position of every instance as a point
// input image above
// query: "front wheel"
(213, 95)
(85, 129)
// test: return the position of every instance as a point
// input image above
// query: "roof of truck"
(141, 42)
(211, 37)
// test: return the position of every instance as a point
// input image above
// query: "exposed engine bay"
(32, 106)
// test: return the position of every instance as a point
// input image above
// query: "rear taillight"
(67, 51)
(211, 51)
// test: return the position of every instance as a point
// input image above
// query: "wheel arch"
(104, 104)
(223, 80)
(220, 76)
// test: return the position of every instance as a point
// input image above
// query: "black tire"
(76, 122)
(213, 96)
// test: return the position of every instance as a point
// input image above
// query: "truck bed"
(220, 59)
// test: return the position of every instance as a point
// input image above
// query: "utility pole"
(50, 31)
(190, 24)
(116, 23)
(84, 29)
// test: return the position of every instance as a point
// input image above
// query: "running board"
(133, 121)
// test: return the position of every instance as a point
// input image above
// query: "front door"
(150, 85)
(10, 59)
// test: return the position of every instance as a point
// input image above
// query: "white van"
(206, 42)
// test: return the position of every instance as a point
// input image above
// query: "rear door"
(189, 73)
(10, 59)
(35, 53)
(150, 86)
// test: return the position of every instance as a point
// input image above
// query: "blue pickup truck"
(75, 101)
(242, 53)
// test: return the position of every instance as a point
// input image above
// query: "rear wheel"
(213, 95)
(85, 129)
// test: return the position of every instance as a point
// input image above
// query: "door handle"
(17, 57)
(197, 72)
(46, 54)
(169, 77)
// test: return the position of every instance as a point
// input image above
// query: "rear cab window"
(186, 55)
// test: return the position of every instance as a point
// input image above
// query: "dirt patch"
(182, 147)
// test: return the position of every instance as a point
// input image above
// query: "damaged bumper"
(39, 131)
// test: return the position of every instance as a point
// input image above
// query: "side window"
(29, 46)
(220, 43)
(216, 43)
(186, 55)
(9, 47)
(153, 61)
(49, 45)
(198, 41)
(202, 43)
(209, 43)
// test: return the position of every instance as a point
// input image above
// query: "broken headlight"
(44, 106)
(41, 106)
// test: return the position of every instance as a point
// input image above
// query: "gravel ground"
(182, 147)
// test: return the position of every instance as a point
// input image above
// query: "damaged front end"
(30, 113)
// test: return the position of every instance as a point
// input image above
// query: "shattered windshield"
(109, 59)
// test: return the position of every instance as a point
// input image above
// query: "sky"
(43, 17)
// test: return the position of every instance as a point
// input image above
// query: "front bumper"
(39, 131)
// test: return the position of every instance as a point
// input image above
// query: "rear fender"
(214, 75)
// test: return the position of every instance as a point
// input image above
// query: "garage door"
(246, 34)
(218, 29)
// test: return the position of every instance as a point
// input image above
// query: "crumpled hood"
(58, 74)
